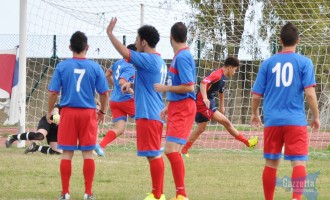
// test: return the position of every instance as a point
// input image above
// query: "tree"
(220, 24)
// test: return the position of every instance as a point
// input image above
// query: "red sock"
(178, 172)
(108, 138)
(269, 182)
(186, 147)
(65, 170)
(89, 171)
(298, 181)
(241, 138)
(157, 176)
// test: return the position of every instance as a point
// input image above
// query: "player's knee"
(201, 129)
(226, 123)
(36, 136)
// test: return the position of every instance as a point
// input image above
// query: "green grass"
(121, 175)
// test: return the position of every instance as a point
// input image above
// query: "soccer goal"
(246, 29)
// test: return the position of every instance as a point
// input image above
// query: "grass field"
(121, 175)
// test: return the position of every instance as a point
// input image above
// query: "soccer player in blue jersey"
(77, 79)
(121, 104)
(150, 69)
(210, 86)
(181, 109)
(282, 80)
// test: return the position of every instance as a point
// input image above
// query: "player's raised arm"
(115, 42)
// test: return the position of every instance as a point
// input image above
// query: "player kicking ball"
(206, 110)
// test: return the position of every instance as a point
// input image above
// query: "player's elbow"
(256, 97)
(190, 88)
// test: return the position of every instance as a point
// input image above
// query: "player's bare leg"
(219, 117)
(201, 127)
(111, 135)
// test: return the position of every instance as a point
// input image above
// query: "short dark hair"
(231, 61)
(131, 47)
(78, 42)
(179, 32)
(289, 34)
(149, 34)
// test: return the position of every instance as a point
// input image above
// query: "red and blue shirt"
(150, 69)
(77, 79)
(215, 83)
(121, 70)
(182, 71)
(281, 80)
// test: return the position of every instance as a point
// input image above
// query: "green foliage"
(213, 20)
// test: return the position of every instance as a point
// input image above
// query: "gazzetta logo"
(308, 189)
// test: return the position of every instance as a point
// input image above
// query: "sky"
(9, 16)
(53, 17)
(62, 18)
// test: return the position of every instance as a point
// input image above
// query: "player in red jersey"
(206, 110)
(77, 79)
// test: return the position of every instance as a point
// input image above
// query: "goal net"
(247, 29)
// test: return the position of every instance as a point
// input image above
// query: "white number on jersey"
(163, 73)
(81, 73)
(117, 72)
(283, 74)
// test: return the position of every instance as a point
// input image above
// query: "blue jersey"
(77, 79)
(121, 70)
(182, 72)
(281, 80)
(150, 69)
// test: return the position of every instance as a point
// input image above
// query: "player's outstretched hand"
(160, 87)
(256, 121)
(111, 25)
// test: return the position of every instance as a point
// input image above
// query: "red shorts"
(77, 129)
(294, 139)
(149, 137)
(181, 115)
(120, 110)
